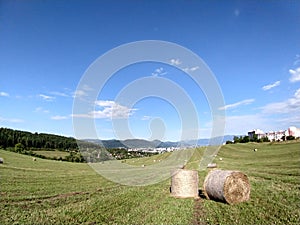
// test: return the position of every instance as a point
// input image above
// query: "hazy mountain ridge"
(142, 143)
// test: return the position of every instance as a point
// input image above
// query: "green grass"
(274, 174)
(54, 192)
(52, 154)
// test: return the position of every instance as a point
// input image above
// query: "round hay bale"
(1, 160)
(227, 186)
(211, 165)
(184, 183)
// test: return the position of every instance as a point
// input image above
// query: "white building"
(259, 133)
(276, 135)
(293, 131)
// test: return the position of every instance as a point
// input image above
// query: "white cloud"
(4, 94)
(146, 118)
(83, 92)
(175, 62)
(59, 117)
(80, 94)
(47, 97)
(191, 69)
(112, 109)
(270, 86)
(297, 60)
(11, 120)
(292, 105)
(40, 109)
(290, 120)
(108, 109)
(295, 75)
(159, 72)
(241, 124)
(61, 94)
(235, 105)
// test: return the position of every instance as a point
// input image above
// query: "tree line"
(246, 139)
(28, 143)
(10, 138)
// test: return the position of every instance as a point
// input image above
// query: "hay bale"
(184, 183)
(227, 186)
(1, 160)
(211, 165)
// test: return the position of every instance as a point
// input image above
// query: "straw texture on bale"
(227, 186)
(184, 184)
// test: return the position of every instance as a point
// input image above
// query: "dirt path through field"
(198, 215)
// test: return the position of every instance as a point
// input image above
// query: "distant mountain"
(141, 143)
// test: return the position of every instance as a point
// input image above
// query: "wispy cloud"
(270, 86)
(290, 119)
(47, 97)
(108, 110)
(175, 62)
(59, 117)
(146, 118)
(41, 109)
(187, 69)
(237, 104)
(295, 75)
(82, 92)
(61, 94)
(4, 94)
(241, 124)
(11, 120)
(159, 72)
(292, 105)
(190, 69)
(297, 60)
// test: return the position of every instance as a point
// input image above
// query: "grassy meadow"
(52, 154)
(54, 192)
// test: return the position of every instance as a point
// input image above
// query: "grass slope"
(52, 154)
(48, 192)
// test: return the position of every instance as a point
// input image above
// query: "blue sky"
(252, 47)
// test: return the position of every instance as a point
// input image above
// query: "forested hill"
(10, 137)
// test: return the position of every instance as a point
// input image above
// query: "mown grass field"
(54, 192)
(52, 154)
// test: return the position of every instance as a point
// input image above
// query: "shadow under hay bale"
(184, 184)
(227, 186)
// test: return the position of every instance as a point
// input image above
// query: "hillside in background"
(141, 143)
(10, 137)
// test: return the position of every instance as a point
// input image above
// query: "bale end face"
(184, 184)
(237, 188)
(227, 186)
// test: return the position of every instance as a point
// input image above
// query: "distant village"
(156, 150)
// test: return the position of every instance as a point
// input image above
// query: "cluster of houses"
(275, 135)
(154, 150)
